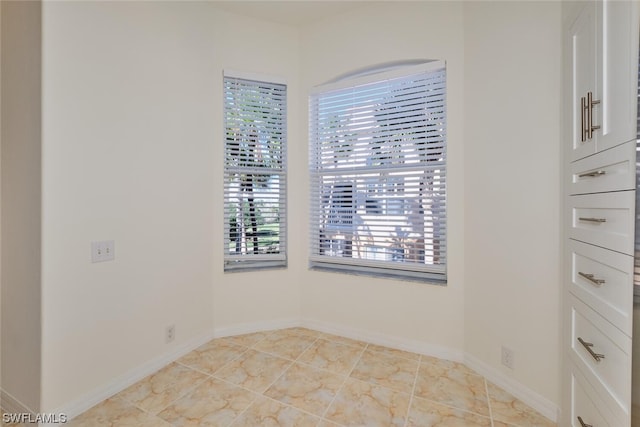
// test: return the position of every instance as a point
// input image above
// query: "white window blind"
(255, 173)
(378, 174)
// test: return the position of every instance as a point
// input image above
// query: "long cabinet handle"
(593, 219)
(583, 424)
(593, 174)
(587, 346)
(592, 279)
(590, 103)
(583, 118)
(587, 118)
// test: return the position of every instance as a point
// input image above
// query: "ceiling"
(292, 12)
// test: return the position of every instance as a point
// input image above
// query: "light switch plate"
(103, 250)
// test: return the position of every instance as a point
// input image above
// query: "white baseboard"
(82, 404)
(12, 405)
(251, 327)
(525, 394)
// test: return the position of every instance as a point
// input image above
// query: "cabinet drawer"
(603, 279)
(604, 353)
(610, 170)
(605, 220)
(586, 405)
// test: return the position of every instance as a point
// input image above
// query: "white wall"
(427, 315)
(512, 188)
(21, 192)
(132, 145)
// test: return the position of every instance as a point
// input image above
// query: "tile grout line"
(208, 376)
(329, 371)
(257, 396)
(128, 403)
(288, 405)
(486, 390)
(291, 363)
(223, 365)
(347, 376)
(413, 390)
(180, 396)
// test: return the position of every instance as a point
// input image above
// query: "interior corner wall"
(427, 316)
(261, 299)
(512, 85)
(21, 204)
(132, 152)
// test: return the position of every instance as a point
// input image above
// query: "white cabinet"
(598, 48)
(604, 219)
(600, 278)
(600, 127)
(582, 44)
(603, 352)
(612, 170)
(587, 409)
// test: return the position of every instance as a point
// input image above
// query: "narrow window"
(378, 174)
(255, 173)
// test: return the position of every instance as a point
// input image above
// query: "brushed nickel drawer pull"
(583, 424)
(589, 277)
(593, 219)
(588, 345)
(593, 174)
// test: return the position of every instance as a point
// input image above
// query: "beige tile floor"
(300, 377)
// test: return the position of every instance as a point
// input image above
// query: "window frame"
(252, 261)
(436, 274)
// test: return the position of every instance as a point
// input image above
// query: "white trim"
(374, 77)
(256, 77)
(251, 327)
(379, 68)
(87, 401)
(12, 405)
(517, 389)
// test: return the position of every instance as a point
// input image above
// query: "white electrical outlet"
(507, 357)
(170, 333)
(103, 250)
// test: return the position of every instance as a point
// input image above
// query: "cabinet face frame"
(604, 35)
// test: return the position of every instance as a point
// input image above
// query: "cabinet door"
(617, 73)
(582, 78)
